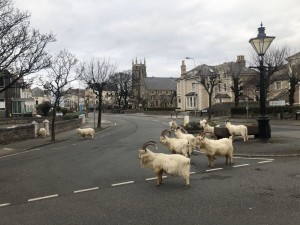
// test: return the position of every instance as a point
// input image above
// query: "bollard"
(186, 120)
(46, 125)
(82, 116)
(36, 127)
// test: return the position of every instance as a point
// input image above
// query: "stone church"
(151, 92)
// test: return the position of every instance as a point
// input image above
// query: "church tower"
(138, 75)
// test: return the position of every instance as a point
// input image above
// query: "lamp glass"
(261, 45)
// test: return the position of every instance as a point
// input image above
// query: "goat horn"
(184, 130)
(164, 132)
(205, 132)
(149, 143)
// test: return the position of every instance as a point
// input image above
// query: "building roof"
(191, 94)
(284, 95)
(160, 83)
(222, 96)
(37, 92)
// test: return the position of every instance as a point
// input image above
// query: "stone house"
(191, 95)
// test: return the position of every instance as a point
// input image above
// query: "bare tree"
(209, 77)
(96, 74)
(275, 59)
(59, 77)
(122, 85)
(235, 70)
(294, 77)
(22, 48)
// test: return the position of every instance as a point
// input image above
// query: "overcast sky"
(163, 32)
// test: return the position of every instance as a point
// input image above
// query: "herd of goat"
(182, 147)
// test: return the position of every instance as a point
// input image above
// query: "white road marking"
(60, 147)
(238, 157)
(123, 183)
(8, 149)
(264, 161)
(154, 178)
(19, 153)
(85, 190)
(156, 121)
(214, 169)
(241, 165)
(192, 172)
(42, 198)
(5, 204)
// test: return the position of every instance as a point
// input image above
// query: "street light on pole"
(192, 59)
(261, 44)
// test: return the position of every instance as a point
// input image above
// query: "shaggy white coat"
(212, 148)
(84, 132)
(159, 163)
(236, 130)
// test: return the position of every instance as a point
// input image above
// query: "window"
(193, 87)
(1, 81)
(225, 89)
(278, 85)
(191, 102)
(219, 87)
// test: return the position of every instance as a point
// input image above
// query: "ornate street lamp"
(261, 44)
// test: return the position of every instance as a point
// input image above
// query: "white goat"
(173, 125)
(175, 165)
(206, 127)
(84, 132)
(212, 148)
(176, 146)
(42, 132)
(180, 135)
(235, 130)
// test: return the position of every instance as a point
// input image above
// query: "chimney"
(183, 69)
(241, 60)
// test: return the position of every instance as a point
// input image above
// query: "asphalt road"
(100, 181)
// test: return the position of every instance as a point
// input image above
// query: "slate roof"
(160, 83)
(37, 92)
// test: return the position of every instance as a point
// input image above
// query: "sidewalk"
(281, 144)
(20, 146)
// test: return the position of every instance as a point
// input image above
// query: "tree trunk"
(209, 106)
(53, 122)
(99, 109)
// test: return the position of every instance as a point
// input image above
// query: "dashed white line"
(241, 165)
(254, 158)
(214, 169)
(265, 161)
(42, 198)
(85, 190)
(123, 183)
(192, 172)
(154, 178)
(5, 204)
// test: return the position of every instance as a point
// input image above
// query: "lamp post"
(192, 59)
(261, 44)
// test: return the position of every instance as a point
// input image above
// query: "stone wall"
(22, 132)
(18, 133)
